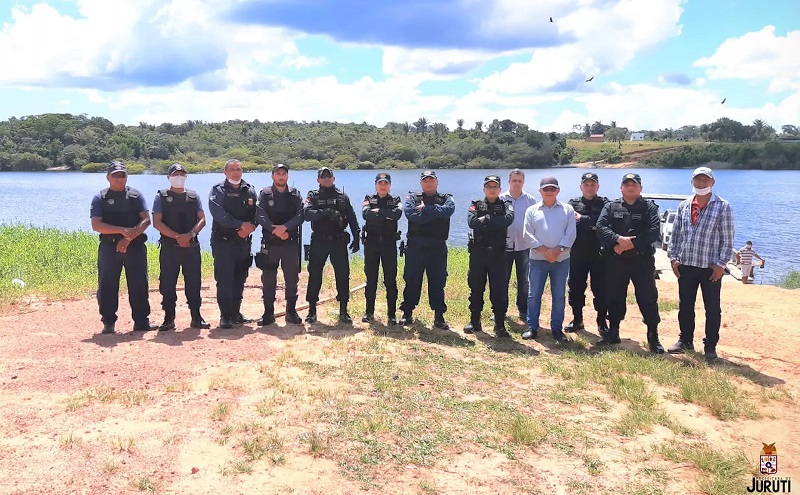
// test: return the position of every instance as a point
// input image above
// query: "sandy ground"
(51, 354)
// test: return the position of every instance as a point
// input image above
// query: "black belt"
(115, 238)
(341, 236)
(373, 238)
(174, 242)
(231, 238)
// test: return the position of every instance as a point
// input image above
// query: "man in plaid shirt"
(701, 245)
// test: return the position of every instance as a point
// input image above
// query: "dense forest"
(79, 142)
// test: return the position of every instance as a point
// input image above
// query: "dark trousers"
(639, 269)
(376, 254)
(691, 278)
(232, 261)
(521, 259)
(340, 259)
(582, 265)
(286, 255)
(425, 257)
(109, 269)
(173, 259)
(485, 265)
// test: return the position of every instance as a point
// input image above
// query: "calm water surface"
(762, 200)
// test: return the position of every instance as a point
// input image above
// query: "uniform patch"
(365, 203)
(471, 207)
(249, 201)
(111, 201)
(271, 202)
(169, 199)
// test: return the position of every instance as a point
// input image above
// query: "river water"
(762, 200)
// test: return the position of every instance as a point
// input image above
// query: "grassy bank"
(57, 264)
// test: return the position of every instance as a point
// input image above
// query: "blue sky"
(655, 63)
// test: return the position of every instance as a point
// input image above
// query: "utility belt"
(169, 241)
(234, 238)
(473, 247)
(276, 241)
(338, 237)
(115, 238)
(369, 238)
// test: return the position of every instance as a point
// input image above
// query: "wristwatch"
(562, 248)
(193, 233)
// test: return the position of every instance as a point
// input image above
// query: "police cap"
(590, 176)
(176, 167)
(116, 166)
(383, 176)
(633, 177)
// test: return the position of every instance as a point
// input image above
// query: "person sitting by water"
(745, 257)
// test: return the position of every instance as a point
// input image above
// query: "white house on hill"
(637, 136)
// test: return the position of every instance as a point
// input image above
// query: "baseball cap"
(324, 171)
(633, 177)
(176, 167)
(548, 181)
(589, 176)
(279, 166)
(491, 178)
(427, 173)
(116, 167)
(383, 176)
(703, 171)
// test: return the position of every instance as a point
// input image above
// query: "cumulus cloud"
(759, 55)
(675, 78)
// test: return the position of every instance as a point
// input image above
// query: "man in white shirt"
(517, 251)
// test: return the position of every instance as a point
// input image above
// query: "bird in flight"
(551, 19)
(723, 101)
(590, 79)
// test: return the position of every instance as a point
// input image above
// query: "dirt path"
(89, 413)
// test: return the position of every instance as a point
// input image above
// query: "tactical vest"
(333, 199)
(281, 216)
(629, 220)
(586, 236)
(438, 229)
(178, 211)
(121, 213)
(495, 238)
(385, 229)
(239, 204)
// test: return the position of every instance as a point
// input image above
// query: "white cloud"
(302, 62)
(758, 56)
(433, 64)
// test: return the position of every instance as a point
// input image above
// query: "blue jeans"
(539, 270)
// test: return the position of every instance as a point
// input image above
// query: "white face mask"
(235, 182)
(701, 192)
(177, 181)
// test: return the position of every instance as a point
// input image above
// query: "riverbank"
(343, 409)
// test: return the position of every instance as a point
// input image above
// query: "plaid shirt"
(710, 241)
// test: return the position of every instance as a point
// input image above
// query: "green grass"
(791, 280)
(725, 471)
(57, 264)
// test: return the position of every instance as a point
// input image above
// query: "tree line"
(79, 142)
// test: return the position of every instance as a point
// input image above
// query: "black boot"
(577, 322)
(369, 314)
(343, 316)
(225, 321)
(611, 337)
(391, 312)
(291, 313)
(500, 326)
(169, 320)
(312, 313)
(652, 340)
(602, 325)
(474, 325)
(407, 319)
(269, 315)
(438, 321)
(197, 320)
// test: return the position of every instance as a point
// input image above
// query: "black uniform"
(279, 208)
(380, 248)
(426, 252)
(230, 208)
(330, 212)
(586, 260)
(123, 209)
(179, 212)
(488, 221)
(638, 264)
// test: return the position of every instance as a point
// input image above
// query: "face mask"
(701, 192)
(235, 182)
(177, 181)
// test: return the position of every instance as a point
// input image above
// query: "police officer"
(628, 227)
(233, 208)
(585, 259)
(119, 214)
(330, 212)
(381, 211)
(280, 214)
(428, 213)
(178, 215)
(488, 218)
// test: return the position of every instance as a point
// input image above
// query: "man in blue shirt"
(428, 214)
(549, 233)
(178, 215)
(701, 245)
(119, 214)
(517, 252)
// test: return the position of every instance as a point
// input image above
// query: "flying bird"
(551, 19)
(723, 101)
(590, 79)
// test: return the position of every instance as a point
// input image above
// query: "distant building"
(595, 138)
(637, 136)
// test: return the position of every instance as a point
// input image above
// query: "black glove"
(355, 245)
